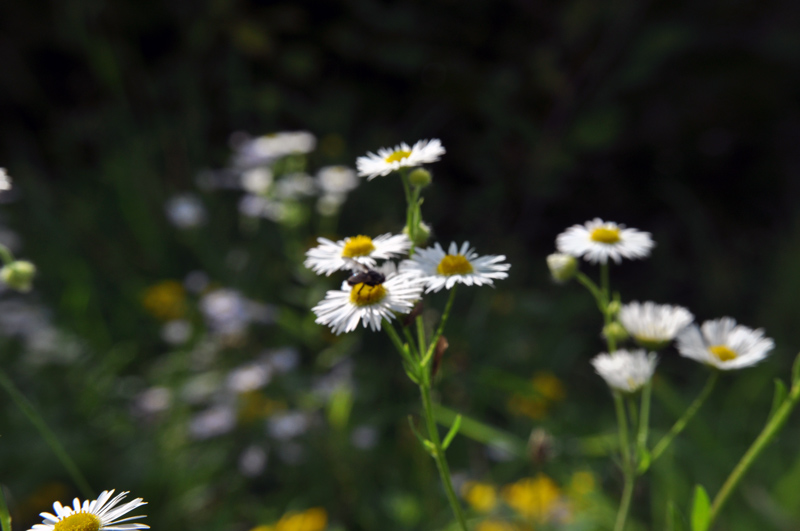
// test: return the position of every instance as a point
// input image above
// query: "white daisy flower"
(97, 515)
(329, 256)
(440, 269)
(599, 240)
(337, 180)
(343, 309)
(392, 159)
(626, 371)
(723, 344)
(654, 325)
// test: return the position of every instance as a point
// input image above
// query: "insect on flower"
(365, 276)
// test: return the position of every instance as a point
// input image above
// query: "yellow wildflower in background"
(548, 390)
(314, 519)
(580, 488)
(165, 300)
(480, 496)
(536, 498)
(496, 525)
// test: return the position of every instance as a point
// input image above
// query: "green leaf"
(423, 441)
(701, 509)
(411, 372)
(452, 433)
(778, 397)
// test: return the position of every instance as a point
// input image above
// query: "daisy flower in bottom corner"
(723, 344)
(440, 269)
(96, 515)
(343, 309)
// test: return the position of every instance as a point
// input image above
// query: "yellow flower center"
(723, 353)
(365, 295)
(454, 264)
(397, 156)
(78, 522)
(605, 235)
(358, 246)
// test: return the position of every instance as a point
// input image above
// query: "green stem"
(681, 423)
(627, 469)
(421, 334)
(767, 434)
(438, 454)
(50, 437)
(593, 289)
(440, 328)
(5, 516)
(644, 417)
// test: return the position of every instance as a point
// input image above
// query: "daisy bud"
(18, 275)
(423, 233)
(562, 266)
(615, 331)
(420, 177)
(614, 307)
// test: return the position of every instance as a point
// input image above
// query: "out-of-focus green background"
(678, 118)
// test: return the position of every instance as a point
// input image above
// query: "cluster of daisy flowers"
(387, 274)
(720, 344)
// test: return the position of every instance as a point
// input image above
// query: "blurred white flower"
(153, 400)
(212, 422)
(176, 332)
(256, 206)
(249, 377)
(654, 325)
(257, 181)
(401, 156)
(5, 180)
(364, 437)
(337, 180)
(185, 211)
(598, 240)
(626, 371)
(252, 461)
(263, 150)
(201, 387)
(723, 344)
(283, 360)
(295, 186)
(225, 311)
(288, 425)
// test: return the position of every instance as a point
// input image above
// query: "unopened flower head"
(402, 156)
(626, 371)
(598, 240)
(440, 269)
(343, 309)
(562, 266)
(653, 325)
(723, 344)
(96, 515)
(329, 256)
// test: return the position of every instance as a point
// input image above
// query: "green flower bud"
(18, 275)
(562, 266)
(614, 307)
(420, 177)
(422, 234)
(615, 331)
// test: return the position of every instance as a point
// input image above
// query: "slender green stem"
(627, 468)
(681, 423)
(772, 428)
(398, 343)
(593, 289)
(644, 418)
(5, 516)
(50, 437)
(438, 454)
(440, 328)
(421, 334)
(416, 354)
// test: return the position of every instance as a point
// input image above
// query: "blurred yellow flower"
(165, 300)
(480, 496)
(314, 519)
(496, 525)
(581, 486)
(535, 498)
(547, 390)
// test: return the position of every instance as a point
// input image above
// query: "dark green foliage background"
(679, 118)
